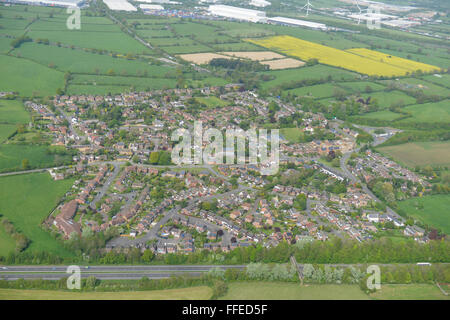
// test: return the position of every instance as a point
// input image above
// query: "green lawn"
(259, 290)
(6, 130)
(211, 102)
(194, 293)
(387, 99)
(409, 292)
(433, 210)
(420, 153)
(292, 134)
(26, 200)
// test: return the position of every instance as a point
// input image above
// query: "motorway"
(109, 272)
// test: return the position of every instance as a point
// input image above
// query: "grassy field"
(291, 291)
(28, 78)
(387, 99)
(292, 134)
(420, 153)
(26, 200)
(12, 112)
(211, 102)
(195, 293)
(382, 115)
(433, 210)
(409, 292)
(11, 156)
(7, 243)
(429, 112)
(313, 72)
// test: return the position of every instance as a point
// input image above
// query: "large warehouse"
(238, 13)
(297, 23)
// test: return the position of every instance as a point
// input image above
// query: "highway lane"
(108, 272)
(112, 269)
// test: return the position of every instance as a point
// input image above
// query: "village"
(125, 181)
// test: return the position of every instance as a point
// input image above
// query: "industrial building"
(297, 23)
(238, 13)
(260, 3)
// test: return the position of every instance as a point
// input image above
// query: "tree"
(154, 157)
(25, 164)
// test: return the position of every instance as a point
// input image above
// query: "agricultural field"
(281, 64)
(441, 79)
(286, 77)
(409, 292)
(26, 200)
(433, 210)
(360, 60)
(429, 112)
(29, 78)
(317, 91)
(384, 115)
(419, 153)
(79, 61)
(387, 99)
(11, 156)
(7, 243)
(291, 291)
(426, 87)
(12, 113)
(202, 58)
(194, 293)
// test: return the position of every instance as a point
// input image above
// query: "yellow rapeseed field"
(360, 60)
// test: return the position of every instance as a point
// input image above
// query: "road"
(109, 272)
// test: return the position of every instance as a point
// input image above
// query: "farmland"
(360, 60)
(429, 112)
(194, 293)
(420, 153)
(409, 292)
(26, 200)
(292, 291)
(433, 210)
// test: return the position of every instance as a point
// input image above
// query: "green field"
(291, 291)
(409, 292)
(28, 78)
(387, 99)
(11, 156)
(211, 102)
(7, 243)
(314, 72)
(79, 61)
(382, 115)
(194, 293)
(429, 112)
(292, 134)
(420, 153)
(26, 200)
(13, 112)
(433, 210)
(325, 90)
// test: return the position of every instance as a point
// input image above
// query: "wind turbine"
(308, 7)
(360, 11)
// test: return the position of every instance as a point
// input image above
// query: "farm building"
(238, 13)
(260, 3)
(297, 23)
